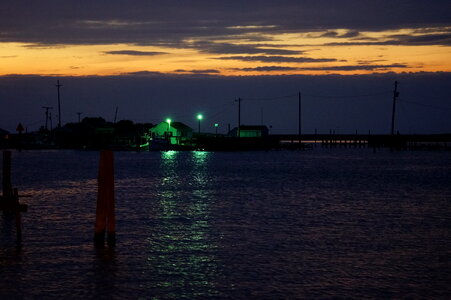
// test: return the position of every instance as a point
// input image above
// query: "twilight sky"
(204, 54)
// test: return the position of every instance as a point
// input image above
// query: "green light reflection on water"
(168, 155)
(200, 157)
(181, 253)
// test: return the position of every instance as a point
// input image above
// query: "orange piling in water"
(105, 217)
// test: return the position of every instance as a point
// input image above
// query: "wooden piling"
(9, 201)
(105, 216)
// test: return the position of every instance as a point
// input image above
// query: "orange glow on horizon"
(343, 56)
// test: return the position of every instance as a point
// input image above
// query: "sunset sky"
(58, 39)
(79, 38)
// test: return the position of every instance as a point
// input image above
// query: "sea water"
(322, 223)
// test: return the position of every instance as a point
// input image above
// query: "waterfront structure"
(250, 131)
(175, 133)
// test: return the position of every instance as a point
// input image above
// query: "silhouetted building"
(176, 133)
(250, 131)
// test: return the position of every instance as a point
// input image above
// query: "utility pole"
(239, 117)
(47, 116)
(115, 114)
(58, 85)
(300, 139)
(395, 95)
(79, 114)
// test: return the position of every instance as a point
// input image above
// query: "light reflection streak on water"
(180, 251)
(65, 187)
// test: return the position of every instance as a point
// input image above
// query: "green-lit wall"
(250, 133)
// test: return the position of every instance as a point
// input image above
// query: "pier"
(410, 141)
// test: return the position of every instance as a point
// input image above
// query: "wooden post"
(9, 202)
(105, 218)
(7, 186)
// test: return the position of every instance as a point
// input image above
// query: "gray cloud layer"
(134, 53)
(223, 48)
(263, 58)
(202, 72)
(442, 39)
(171, 22)
(329, 68)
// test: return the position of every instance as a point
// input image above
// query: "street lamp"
(216, 127)
(199, 118)
(169, 129)
(169, 123)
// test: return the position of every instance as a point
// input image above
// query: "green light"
(168, 120)
(200, 117)
(216, 124)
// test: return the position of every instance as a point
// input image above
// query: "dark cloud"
(334, 34)
(366, 62)
(432, 30)
(268, 69)
(172, 22)
(278, 59)
(134, 53)
(40, 46)
(227, 48)
(207, 71)
(426, 39)
(360, 67)
(350, 34)
(443, 39)
(329, 34)
(144, 73)
(356, 67)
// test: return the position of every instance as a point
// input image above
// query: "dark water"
(342, 223)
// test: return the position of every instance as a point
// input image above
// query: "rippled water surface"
(346, 223)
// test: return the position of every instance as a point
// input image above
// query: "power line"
(348, 96)
(225, 108)
(271, 98)
(384, 93)
(319, 96)
(425, 105)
